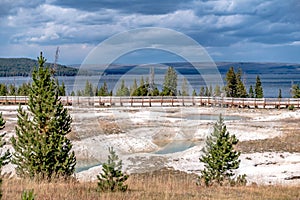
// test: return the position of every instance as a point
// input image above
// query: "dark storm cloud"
(222, 26)
(10, 7)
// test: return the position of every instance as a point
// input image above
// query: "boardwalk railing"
(166, 101)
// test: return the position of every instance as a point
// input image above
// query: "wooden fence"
(166, 101)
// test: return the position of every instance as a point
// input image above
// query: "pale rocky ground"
(137, 133)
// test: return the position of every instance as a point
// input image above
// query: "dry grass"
(289, 142)
(163, 184)
(109, 127)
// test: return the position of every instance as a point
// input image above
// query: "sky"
(229, 30)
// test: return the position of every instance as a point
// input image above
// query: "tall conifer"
(5, 156)
(220, 158)
(185, 88)
(240, 88)
(170, 83)
(258, 88)
(231, 86)
(42, 150)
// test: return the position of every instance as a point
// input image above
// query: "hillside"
(187, 68)
(24, 67)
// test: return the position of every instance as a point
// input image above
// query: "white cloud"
(215, 23)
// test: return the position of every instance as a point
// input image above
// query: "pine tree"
(231, 86)
(279, 94)
(143, 88)
(210, 91)
(122, 90)
(23, 90)
(5, 156)
(62, 89)
(103, 91)
(258, 88)
(240, 87)
(88, 89)
(206, 93)
(170, 83)
(42, 150)
(152, 90)
(3, 89)
(202, 91)
(133, 88)
(296, 91)
(185, 88)
(72, 93)
(217, 91)
(112, 179)
(219, 158)
(251, 92)
(194, 93)
(12, 90)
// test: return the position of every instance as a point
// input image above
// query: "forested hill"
(24, 67)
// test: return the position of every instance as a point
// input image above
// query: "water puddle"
(85, 167)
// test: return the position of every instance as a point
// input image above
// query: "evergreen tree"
(258, 88)
(5, 156)
(210, 91)
(112, 179)
(231, 86)
(42, 150)
(23, 90)
(122, 90)
(219, 158)
(194, 93)
(72, 93)
(170, 83)
(251, 92)
(279, 94)
(207, 94)
(143, 88)
(185, 88)
(152, 90)
(103, 91)
(133, 88)
(3, 89)
(202, 91)
(142, 82)
(295, 91)
(12, 90)
(79, 93)
(217, 91)
(240, 87)
(147, 81)
(88, 89)
(62, 89)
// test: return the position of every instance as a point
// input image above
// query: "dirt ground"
(269, 139)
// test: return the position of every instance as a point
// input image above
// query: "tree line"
(234, 87)
(24, 89)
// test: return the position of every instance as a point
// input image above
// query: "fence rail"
(166, 101)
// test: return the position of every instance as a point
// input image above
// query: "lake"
(270, 82)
